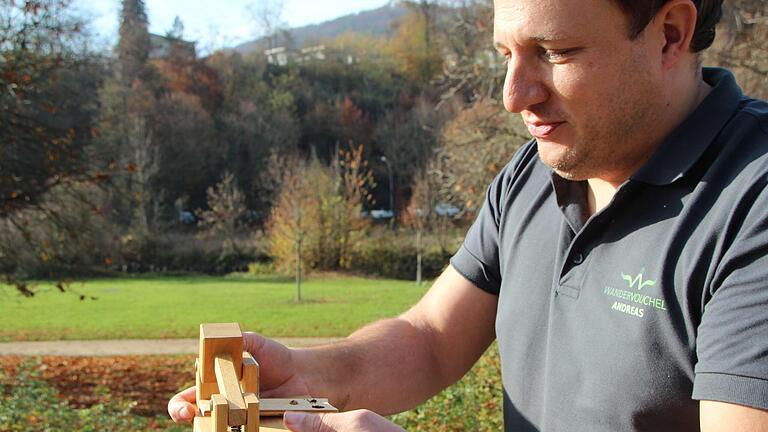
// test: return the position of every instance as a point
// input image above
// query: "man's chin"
(564, 163)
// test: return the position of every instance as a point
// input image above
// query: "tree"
(742, 45)
(267, 14)
(47, 94)
(128, 141)
(177, 29)
(45, 104)
(417, 216)
(226, 209)
(408, 138)
(473, 69)
(472, 150)
(414, 45)
(319, 212)
(133, 46)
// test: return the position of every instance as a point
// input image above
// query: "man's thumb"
(304, 422)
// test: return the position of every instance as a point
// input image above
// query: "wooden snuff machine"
(227, 381)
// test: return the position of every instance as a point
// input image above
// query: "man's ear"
(677, 22)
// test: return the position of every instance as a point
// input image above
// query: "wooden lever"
(229, 386)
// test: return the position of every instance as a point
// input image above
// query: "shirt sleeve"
(478, 257)
(732, 340)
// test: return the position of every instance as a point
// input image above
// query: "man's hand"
(352, 421)
(278, 376)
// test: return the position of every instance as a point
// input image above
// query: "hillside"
(375, 22)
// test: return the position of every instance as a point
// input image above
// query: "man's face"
(585, 90)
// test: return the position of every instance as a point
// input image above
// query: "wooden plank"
(219, 413)
(229, 386)
(252, 402)
(276, 407)
(219, 339)
(250, 381)
(204, 390)
(202, 424)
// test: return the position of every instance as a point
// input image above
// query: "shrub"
(472, 404)
(67, 233)
(261, 268)
(393, 255)
(188, 252)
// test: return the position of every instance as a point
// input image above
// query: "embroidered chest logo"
(638, 280)
(635, 302)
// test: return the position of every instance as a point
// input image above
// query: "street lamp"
(391, 186)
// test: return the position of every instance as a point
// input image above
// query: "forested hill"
(376, 22)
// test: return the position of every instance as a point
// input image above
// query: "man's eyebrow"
(537, 39)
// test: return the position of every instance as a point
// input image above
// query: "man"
(620, 258)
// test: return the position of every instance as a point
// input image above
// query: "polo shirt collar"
(688, 141)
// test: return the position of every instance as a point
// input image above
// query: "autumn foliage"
(320, 208)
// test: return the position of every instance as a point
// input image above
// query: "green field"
(173, 307)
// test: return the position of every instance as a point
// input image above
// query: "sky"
(215, 24)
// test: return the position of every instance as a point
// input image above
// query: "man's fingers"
(352, 421)
(252, 342)
(303, 422)
(182, 407)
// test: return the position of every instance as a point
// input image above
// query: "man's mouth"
(542, 130)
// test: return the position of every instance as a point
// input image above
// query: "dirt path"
(124, 347)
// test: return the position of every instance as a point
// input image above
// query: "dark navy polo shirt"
(622, 321)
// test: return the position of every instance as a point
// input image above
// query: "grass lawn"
(173, 307)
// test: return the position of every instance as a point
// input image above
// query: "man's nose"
(523, 86)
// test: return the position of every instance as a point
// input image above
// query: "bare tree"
(268, 15)
(742, 45)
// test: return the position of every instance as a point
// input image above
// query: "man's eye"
(555, 55)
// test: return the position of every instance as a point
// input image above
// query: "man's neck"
(599, 194)
(601, 190)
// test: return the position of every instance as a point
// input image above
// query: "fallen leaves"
(84, 381)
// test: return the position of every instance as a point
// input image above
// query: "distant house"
(281, 56)
(162, 47)
(277, 56)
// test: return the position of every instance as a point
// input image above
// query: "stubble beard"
(612, 140)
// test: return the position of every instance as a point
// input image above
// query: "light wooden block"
(229, 386)
(250, 381)
(219, 339)
(252, 403)
(204, 390)
(202, 424)
(219, 413)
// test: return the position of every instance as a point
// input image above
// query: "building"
(163, 47)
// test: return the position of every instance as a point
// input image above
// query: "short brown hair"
(641, 12)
